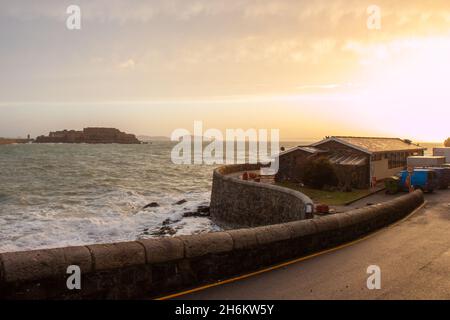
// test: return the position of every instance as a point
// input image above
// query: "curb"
(363, 197)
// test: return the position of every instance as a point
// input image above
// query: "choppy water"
(55, 195)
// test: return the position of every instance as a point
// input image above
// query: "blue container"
(423, 179)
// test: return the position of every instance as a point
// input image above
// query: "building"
(358, 161)
(292, 161)
(442, 152)
(89, 135)
(425, 161)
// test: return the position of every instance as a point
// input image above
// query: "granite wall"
(236, 203)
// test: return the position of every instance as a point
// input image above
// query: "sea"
(56, 195)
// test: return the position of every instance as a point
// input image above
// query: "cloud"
(199, 47)
(121, 11)
(128, 64)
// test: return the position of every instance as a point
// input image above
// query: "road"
(413, 255)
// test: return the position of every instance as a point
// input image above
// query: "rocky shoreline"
(202, 211)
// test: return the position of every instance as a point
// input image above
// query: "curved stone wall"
(150, 268)
(237, 203)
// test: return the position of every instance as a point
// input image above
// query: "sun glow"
(410, 88)
(401, 89)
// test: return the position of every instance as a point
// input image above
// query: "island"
(14, 140)
(89, 135)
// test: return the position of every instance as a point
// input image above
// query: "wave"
(76, 195)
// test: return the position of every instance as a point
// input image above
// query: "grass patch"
(336, 198)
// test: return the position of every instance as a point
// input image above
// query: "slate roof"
(374, 145)
(346, 160)
(308, 149)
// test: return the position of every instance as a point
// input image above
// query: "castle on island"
(89, 135)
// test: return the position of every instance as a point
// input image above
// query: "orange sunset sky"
(307, 67)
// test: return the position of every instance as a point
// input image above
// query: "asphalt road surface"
(413, 255)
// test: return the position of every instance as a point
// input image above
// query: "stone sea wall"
(151, 268)
(236, 203)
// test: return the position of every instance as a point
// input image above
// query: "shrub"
(319, 172)
(447, 143)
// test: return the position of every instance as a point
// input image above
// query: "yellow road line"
(279, 266)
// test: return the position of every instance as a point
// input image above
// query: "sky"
(309, 68)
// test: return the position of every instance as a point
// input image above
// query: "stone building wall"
(358, 176)
(291, 165)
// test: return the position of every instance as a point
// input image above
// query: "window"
(377, 157)
(397, 160)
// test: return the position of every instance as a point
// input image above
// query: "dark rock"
(189, 214)
(202, 211)
(169, 221)
(165, 230)
(180, 202)
(145, 232)
(152, 205)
